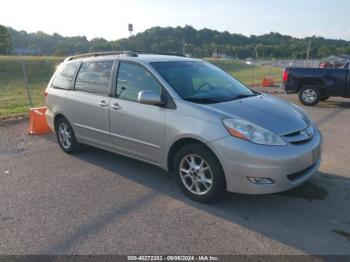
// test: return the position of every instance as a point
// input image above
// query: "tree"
(5, 41)
(99, 44)
(199, 43)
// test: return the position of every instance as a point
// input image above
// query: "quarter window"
(132, 79)
(94, 77)
(64, 75)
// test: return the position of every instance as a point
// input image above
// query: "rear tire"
(66, 137)
(310, 95)
(199, 173)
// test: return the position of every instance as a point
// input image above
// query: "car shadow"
(333, 104)
(299, 218)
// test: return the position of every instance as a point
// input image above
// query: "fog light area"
(260, 180)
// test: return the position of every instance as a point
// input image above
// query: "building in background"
(26, 51)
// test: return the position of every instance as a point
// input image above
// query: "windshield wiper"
(203, 100)
(245, 96)
(239, 97)
(212, 100)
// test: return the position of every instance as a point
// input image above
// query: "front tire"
(199, 173)
(309, 95)
(66, 137)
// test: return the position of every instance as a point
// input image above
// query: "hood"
(271, 113)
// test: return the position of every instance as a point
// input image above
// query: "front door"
(136, 129)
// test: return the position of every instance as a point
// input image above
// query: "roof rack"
(127, 53)
(158, 53)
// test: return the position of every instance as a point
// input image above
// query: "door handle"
(103, 103)
(116, 106)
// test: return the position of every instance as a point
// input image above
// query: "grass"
(244, 72)
(13, 95)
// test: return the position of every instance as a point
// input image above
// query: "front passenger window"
(132, 79)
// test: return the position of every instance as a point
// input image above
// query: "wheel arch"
(314, 82)
(57, 117)
(176, 145)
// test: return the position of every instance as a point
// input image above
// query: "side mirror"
(149, 97)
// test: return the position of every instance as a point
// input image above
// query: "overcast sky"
(109, 18)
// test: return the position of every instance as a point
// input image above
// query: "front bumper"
(288, 166)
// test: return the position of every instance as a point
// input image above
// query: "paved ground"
(99, 203)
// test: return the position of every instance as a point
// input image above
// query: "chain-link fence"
(23, 81)
(251, 73)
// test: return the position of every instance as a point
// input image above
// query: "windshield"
(201, 82)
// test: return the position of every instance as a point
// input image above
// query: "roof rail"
(158, 53)
(127, 53)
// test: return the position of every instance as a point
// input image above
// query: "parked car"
(331, 65)
(186, 116)
(317, 84)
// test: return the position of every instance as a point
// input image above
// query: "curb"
(269, 90)
(8, 120)
(272, 92)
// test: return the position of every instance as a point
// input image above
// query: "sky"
(110, 18)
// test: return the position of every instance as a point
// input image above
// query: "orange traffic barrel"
(37, 121)
(267, 81)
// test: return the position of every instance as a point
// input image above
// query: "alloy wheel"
(65, 135)
(195, 174)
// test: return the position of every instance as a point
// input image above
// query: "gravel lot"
(97, 202)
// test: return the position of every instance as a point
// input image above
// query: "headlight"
(248, 131)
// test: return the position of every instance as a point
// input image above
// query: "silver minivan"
(186, 116)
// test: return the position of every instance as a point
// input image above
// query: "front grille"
(298, 175)
(299, 137)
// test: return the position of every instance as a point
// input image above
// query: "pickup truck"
(317, 84)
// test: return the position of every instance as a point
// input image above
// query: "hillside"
(198, 43)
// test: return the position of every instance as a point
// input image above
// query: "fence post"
(253, 73)
(231, 67)
(26, 84)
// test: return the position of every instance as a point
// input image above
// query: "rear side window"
(94, 77)
(64, 75)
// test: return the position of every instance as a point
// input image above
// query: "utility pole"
(131, 29)
(308, 51)
(184, 47)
